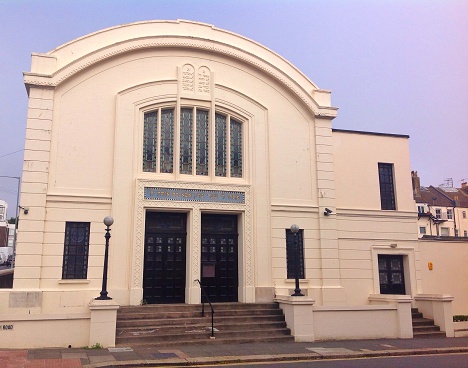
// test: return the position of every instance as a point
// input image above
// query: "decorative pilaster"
(332, 291)
(34, 187)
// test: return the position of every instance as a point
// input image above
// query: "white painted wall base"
(298, 312)
(439, 308)
(103, 322)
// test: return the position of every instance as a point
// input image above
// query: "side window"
(449, 214)
(387, 190)
(422, 230)
(291, 253)
(75, 252)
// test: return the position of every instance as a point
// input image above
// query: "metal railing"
(205, 297)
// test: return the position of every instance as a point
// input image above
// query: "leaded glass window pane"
(236, 149)
(220, 146)
(167, 141)
(150, 141)
(387, 192)
(202, 142)
(75, 252)
(186, 118)
(291, 253)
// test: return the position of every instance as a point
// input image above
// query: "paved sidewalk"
(191, 355)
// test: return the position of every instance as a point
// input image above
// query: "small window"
(387, 190)
(465, 233)
(449, 214)
(421, 209)
(422, 230)
(464, 214)
(456, 232)
(445, 231)
(438, 213)
(75, 252)
(291, 253)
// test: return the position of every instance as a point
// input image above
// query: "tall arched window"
(194, 146)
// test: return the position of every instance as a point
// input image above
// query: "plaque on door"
(208, 269)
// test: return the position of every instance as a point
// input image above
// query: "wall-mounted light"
(327, 212)
(25, 209)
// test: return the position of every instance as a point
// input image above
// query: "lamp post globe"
(108, 221)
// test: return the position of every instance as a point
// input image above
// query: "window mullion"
(228, 146)
(158, 147)
(194, 141)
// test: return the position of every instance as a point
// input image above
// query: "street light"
(297, 290)
(108, 221)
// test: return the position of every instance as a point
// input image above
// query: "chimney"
(464, 184)
(416, 184)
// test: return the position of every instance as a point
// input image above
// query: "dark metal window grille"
(186, 121)
(236, 149)
(220, 146)
(202, 142)
(75, 252)
(387, 190)
(290, 253)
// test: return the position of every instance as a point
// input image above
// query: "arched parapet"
(56, 66)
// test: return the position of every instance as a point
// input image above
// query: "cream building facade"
(205, 147)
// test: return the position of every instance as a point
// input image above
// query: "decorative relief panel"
(196, 207)
(204, 80)
(188, 78)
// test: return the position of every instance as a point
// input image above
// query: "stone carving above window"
(203, 80)
(188, 78)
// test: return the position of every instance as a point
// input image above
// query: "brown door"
(219, 255)
(164, 265)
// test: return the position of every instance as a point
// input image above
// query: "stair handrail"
(203, 307)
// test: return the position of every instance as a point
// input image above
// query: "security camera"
(327, 212)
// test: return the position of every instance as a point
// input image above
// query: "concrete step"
(424, 327)
(429, 334)
(153, 314)
(206, 326)
(422, 322)
(181, 323)
(208, 340)
(195, 307)
(151, 322)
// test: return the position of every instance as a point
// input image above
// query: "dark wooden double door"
(164, 275)
(391, 274)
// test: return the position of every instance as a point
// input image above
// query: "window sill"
(74, 281)
(293, 281)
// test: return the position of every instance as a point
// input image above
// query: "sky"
(392, 66)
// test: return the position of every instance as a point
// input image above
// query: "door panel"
(165, 251)
(391, 274)
(219, 257)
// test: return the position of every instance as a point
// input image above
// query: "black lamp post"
(108, 221)
(297, 290)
